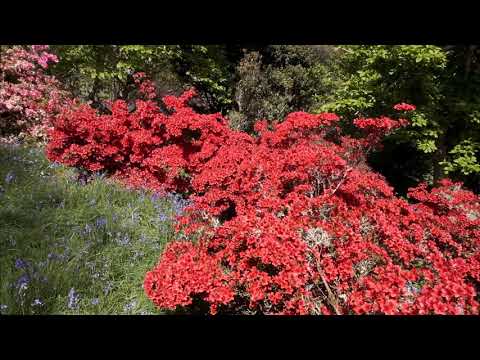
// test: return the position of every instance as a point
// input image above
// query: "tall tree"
(275, 80)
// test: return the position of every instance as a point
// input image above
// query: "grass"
(68, 248)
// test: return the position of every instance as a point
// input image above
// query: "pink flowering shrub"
(29, 98)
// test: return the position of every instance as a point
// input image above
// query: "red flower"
(404, 107)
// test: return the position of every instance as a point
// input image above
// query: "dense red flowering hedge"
(146, 148)
(291, 221)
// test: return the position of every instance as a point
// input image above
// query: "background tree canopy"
(440, 81)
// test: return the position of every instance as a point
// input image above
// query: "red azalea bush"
(29, 98)
(146, 147)
(291, 221)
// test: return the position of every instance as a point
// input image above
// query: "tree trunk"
(468, 60)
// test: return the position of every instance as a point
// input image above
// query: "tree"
(100, 72)
(463, 136)
(440, 81)
(210, 69)
(104, 72)
(278, 79)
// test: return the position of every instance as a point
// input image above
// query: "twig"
(331, 296)
(341, 181)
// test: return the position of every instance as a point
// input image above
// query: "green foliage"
(102, 71)
(99, 72)
(278, 80)
(427, 145)
(464, 158)
(98, 239)
(445, 126)
(374, 77)
(210, 71)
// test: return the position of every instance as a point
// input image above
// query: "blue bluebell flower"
(20, 264)
(178, 203)
(73, 299)
(101, 222)
(137, 254)
(54, 165)
(95, 301)
(100, 174)
(130, 306)
(124, 240)
(37, 302)
(108, 288)
(163, 217)
(82, 180)
(87, 230)
(10, 177)
(22, 281)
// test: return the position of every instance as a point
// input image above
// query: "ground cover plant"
(69, 247)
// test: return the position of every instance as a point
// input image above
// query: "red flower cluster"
(377, 128)
(146, 148)
(404, 107)
(292, 221)
(146, 87)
